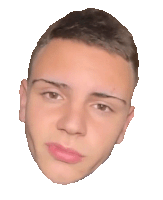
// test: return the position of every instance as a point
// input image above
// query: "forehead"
(77, 64)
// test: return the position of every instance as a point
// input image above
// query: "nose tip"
(72, 123)
(71, 127)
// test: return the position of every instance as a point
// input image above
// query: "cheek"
(106, 132)
(39, 110)
(36, 119)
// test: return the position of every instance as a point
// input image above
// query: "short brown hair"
(93, 27)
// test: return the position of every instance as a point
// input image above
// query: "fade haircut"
(95, 28)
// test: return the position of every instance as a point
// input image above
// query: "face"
(76, 115)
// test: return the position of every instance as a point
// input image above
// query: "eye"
(51, 95)
(103, 107)
(54, 95)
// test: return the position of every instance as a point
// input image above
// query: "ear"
(129, 118)
(23, 100)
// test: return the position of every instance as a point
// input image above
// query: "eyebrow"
(64, 86)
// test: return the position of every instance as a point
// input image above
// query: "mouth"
(61, 153)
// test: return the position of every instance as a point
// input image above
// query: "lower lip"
(62, 155)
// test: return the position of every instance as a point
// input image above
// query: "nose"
(72, 120)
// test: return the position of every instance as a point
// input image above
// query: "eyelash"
(103, 105)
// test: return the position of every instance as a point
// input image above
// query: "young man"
(76, 102)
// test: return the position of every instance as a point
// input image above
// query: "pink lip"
(64, 154)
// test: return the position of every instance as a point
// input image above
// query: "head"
(81, 79)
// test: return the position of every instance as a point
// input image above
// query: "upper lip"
(68, 150)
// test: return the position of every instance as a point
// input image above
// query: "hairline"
(41, 47)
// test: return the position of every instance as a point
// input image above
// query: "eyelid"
(44, 93)
(110, 109)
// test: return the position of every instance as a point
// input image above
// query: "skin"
(72, 117)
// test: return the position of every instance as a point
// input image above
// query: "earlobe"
(23, 99)
(128, 120)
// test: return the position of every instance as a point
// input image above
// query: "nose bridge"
(73, 118)
(75, 111)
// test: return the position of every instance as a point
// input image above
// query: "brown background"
(134, 169)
